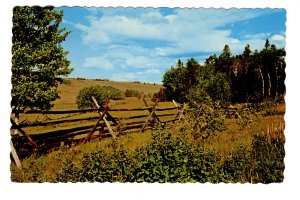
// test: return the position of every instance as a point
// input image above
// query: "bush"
(175, 159)
(197, 94)
(133, 93)
(84, 98)
(206, 120)
(165, 159)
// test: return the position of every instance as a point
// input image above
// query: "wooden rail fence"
(105, 124)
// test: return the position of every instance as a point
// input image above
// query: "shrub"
(133, 93)
(84, 100)
(66, 81)
(175, 159)
(197, 94)
(206, 120)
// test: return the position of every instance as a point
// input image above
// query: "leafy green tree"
(174, 82)
(218, 88)
(38, 59)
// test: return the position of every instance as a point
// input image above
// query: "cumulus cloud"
(136, 76)
(189, 30)
(149, 41)
(277, 38)
(98, 62)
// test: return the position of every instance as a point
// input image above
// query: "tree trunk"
(262, 83)
(269, 85)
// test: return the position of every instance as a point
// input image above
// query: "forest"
(250, 77)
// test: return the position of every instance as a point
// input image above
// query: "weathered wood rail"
(105, 122)
(91, 127)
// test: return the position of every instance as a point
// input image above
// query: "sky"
(140, 44)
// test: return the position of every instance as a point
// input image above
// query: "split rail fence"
(84, 125)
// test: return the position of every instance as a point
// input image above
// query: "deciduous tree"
(38, 59)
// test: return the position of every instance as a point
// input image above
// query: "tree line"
(252, 76)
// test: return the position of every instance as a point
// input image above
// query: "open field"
(45, 168)
(71, 87)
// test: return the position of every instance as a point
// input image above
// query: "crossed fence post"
(102, 117)
(181, 109)
(152, 114)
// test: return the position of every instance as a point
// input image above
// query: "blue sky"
(140, 44)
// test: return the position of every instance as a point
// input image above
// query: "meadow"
(176, 152)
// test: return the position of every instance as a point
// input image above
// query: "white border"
(287, 189)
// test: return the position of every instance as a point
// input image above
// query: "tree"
(273, 70)
(192, 72)
(38, 60)
(225, 61)
(174, 82)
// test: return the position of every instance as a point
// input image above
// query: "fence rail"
(110, 123)
(106, 124)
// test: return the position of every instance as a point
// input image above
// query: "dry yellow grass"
(69, 91)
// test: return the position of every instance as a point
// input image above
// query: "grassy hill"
(71, 87)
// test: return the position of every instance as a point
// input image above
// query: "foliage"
(133, 93)
(247, 77)
(38, 59)
(161, 95)
(165, 159)
(174, 159)
(101, 93)
(174, 80)
(206, 120)
(218, 88)
(195, 82)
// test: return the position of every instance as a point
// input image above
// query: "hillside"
(70, 89)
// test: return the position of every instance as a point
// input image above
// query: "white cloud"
(189, 30)
(277, 38)
(145, 40)
(98, 62)
(137, 76)
(263, 36)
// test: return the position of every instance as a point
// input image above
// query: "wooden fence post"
(15, 155)
(150, 110)
(102, 117)
(98, 121)
(180, 114)
(149, 116)
(23, 132)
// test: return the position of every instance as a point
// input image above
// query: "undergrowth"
(169, 159)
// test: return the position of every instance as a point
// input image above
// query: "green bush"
(174, 159)
(206, 120)
(165, 159)
(133, 93)
(101, 93)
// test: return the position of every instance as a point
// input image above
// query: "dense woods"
(252, 76)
